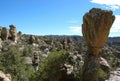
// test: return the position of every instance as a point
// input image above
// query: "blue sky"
(53, 17)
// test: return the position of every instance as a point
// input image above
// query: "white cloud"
(113, 4)
(116, 24)
(114, 7)
(76, 30)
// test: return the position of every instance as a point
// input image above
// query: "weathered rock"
(114, 76)
(69, 68)
(31, 39)
(95, 28)
(19, 33)
(64, 42)
(4, 33)
(13, 32)
(0, 30)
(0, 43)
(104, 65)
(5, 77)
(35, 61)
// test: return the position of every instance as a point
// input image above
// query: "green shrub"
(14, 63)
(102, 75)
(52, 69)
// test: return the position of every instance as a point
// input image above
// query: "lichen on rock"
(96, 27)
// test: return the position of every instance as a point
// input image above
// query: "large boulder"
(114, 76)
(13, 32)
(104, 65)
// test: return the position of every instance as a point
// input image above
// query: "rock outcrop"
(114, 76)
(104, 65)
(8, 33)
(4, 33)
(0, 31)
(35, 61)
(13, 32)
(31, 39)
(95, 28)
(0, 44)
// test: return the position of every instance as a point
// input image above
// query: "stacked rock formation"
(31, 39)
(8, 34)
(0, 38)
(35, 61)
(13, 32)
(95, 28)
(0, 44)
(4, 33)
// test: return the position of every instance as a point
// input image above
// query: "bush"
(14, 63)
(52, 69)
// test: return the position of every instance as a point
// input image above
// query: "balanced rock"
(13, 32)
(95, 28)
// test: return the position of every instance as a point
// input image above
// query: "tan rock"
(0, 30)
(35, 61)
(32, 39)
(96, 27)
(13, 32)
(4, 33)
(0, 43)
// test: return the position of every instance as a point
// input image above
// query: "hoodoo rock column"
(95, 28)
